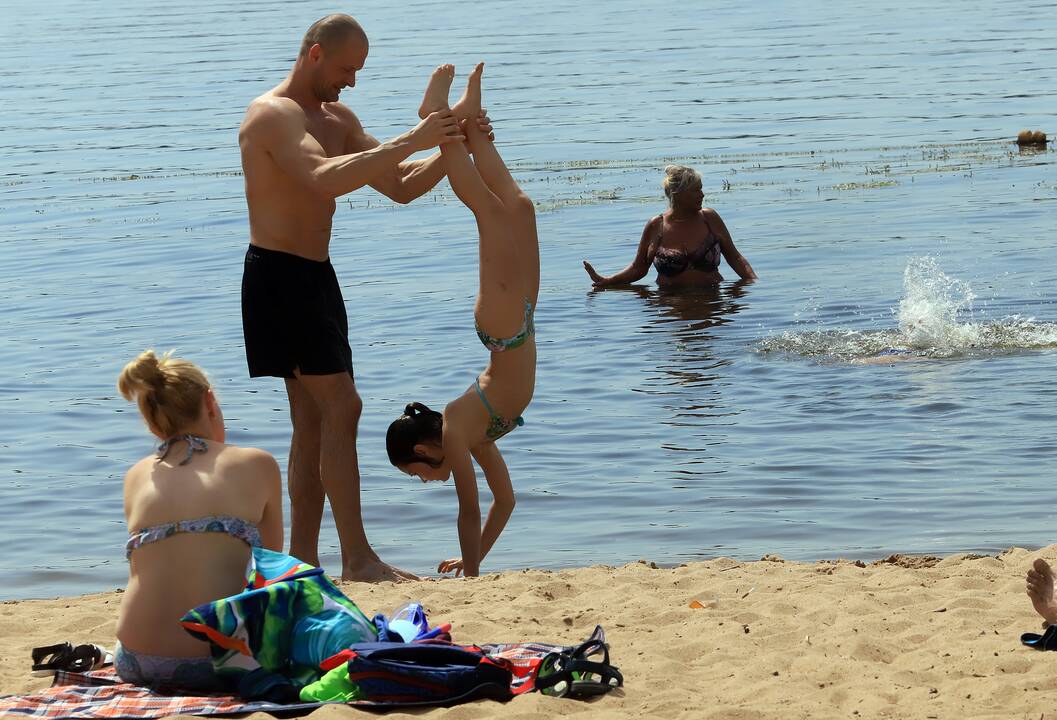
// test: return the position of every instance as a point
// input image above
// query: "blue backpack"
(390, 673)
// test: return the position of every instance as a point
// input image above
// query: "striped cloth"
(100, 694)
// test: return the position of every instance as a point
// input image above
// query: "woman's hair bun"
(168, 390)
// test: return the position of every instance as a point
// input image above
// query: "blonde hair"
(169, 391)
(678, 178)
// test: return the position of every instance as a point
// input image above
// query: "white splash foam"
(935, 320)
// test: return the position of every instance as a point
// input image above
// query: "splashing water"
(935, 320)
(928, 313)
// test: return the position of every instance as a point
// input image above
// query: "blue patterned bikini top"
(234, 526)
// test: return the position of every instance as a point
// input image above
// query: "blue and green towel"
(289, 619)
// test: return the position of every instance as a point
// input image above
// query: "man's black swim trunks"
(293, 316)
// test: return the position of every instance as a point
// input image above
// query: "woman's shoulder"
(247, 456)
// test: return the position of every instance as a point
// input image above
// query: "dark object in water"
(1032, 137)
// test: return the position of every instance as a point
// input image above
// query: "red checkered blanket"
(100, 694)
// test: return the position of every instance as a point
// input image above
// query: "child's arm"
(498, 478)
(469, 504)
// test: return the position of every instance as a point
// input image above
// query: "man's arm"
(278, 126)
(409, 180)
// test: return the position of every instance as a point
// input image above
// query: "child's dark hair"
(417, 425)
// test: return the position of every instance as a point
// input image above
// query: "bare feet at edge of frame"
(436, 96)
(1039, 583)
(468, 107)
(374, 570)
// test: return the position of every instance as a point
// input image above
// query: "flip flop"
(1046, 641)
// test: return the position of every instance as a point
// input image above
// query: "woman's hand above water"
(597, 280)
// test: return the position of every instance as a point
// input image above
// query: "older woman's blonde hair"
(168, 390)
(678, 178)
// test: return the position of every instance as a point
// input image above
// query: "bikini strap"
(484, 400)
(194, 444)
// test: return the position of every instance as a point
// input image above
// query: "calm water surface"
(862, 160)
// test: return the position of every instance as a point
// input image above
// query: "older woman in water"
(194, 509)
(684, 243)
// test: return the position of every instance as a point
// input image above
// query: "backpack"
(389, 673)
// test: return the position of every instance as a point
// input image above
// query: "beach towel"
(289, 619)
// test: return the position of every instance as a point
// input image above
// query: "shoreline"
(908, 636)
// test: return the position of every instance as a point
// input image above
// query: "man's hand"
(447, 566)
(484, 124)
(438, 128)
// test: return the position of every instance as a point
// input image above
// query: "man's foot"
(436, 97)
(468, 106)
(1040, 589)
(376, 571)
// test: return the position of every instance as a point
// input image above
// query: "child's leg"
(462, 173)
(496, 175)
(489, 164)
(500, 301)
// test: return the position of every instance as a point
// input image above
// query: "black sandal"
(64, 656)
(573, 675)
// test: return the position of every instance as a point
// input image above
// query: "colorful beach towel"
(290, 618)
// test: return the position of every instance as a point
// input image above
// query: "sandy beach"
(907, 637)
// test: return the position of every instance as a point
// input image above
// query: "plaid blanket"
(101, 694)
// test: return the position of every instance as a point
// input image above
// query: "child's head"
(173, 395)
(414, 443)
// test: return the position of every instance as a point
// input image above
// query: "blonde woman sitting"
(194, 509)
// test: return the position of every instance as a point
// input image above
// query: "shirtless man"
(301, 149)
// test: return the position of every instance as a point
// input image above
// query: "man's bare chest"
(329, 132)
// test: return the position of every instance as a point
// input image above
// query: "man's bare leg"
(1040, 589)
(303, 484)
(339, 408)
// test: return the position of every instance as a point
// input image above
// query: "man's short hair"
(331, 31)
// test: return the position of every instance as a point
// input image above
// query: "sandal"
(64, 656)
(572, 675)
(1046, 641)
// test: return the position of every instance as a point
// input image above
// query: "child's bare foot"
(1040, 589)
(436, 97)
(468, 107)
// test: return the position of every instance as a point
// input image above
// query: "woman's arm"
(271, 525)
(638, 267)
(734, 258)
(498, 478)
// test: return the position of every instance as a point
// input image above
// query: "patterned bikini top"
(234, 526)
(673, 261)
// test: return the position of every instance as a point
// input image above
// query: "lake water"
(861, 155)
